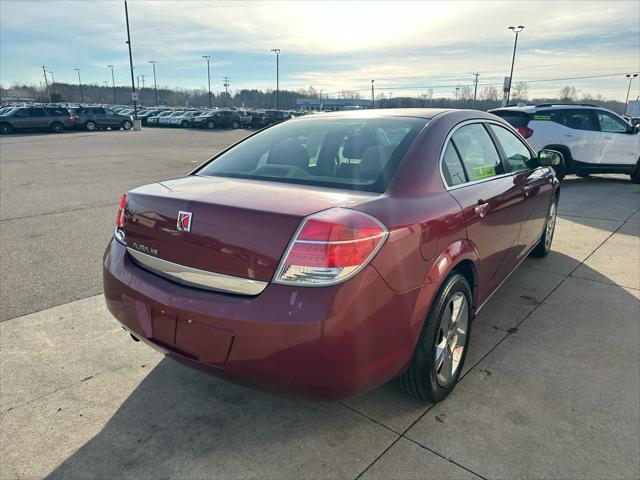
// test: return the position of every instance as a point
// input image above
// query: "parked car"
(325, 255)
(183, 120)
(143, 117)
(54, 119)
(591, 139)
(218, 119)
(100, 118)
(165, 120)
(245, 117)
(154, 119)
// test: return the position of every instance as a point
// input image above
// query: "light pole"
(515, 30)
(134, 94)
(80, 83)
(373, 97)
(113, 82)
(155, 85)
(277, 52)
(208, 57)
(630, 76)
(475, 89)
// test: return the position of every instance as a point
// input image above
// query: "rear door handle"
(481, 209)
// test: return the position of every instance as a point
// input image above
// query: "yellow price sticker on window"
(484, 171)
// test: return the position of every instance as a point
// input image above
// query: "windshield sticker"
(484, 171)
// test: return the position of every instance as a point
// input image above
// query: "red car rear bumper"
(321, 343)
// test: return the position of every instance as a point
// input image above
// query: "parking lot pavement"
(58, 200)
(550, 387)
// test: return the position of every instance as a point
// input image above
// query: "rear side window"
(352, 153)
(515, 118)
(57, 111)
(37, 112)
(518, 155)
(452, 168)
(579, 120)
(477, 151)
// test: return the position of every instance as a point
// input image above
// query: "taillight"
(526, 132)
(330, 247)
(120, 216)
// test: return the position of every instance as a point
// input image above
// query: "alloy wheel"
(451, 339)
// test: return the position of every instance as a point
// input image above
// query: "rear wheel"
(442, 347)
(57, 127)
(544, 245)
(5, 128)
(211, 125)
(235, 125)
(184, 124)
(126, 125)
(90, 125)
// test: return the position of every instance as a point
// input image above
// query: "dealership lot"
(550, 389)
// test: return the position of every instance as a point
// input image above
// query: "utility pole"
(475, 89)
(53, 82)
(373, 96)
(46, 82)
(138, 82)
(134, 94)
(277, 52)
(142, 76)
(208, 57)
(155, 85)
(515, 30)
(630, 76)
(80, 83)
(226, 89)
(113, 81)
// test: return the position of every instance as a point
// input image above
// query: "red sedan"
(328, 254)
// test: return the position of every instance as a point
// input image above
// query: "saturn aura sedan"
(326, 255)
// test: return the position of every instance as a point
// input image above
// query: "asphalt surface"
(550, 387)
(58, 200)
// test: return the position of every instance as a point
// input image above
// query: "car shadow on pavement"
(181, 423)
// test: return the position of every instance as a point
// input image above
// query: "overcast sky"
(405, 47)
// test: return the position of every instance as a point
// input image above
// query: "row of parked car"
(213, 118)
(57, 119)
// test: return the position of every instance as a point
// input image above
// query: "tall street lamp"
(630, 76)
(373, 98)
(113, 82)
(80, 83)
(155, 85)
(515, 30)
(208, 57)
(134, 93)
(277, 52)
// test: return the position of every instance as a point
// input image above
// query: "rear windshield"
(352, 153)
(514, 118)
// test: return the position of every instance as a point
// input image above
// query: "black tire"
(57, 127)
(235, 125)
(421, 379)
(543, 247)
(211, 125)
(184, 124)
(126, 125)
(5, 128)
(91, 126)
(635, 175)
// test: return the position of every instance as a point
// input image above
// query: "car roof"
(426, 113)
(532, 108)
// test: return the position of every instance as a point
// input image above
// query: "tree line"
(486, 98)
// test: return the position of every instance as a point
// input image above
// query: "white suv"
(591, 139)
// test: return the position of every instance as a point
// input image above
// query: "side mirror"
(635, 128)
(550, 158)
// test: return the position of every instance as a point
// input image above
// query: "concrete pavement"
(551, 387)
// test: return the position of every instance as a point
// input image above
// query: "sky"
(407, 47)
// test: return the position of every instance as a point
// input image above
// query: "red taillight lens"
(120, 216)
(330, 247)
(526, 132)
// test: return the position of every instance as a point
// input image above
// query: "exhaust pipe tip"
(135, 339)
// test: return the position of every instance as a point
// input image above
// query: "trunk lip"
(194, 277)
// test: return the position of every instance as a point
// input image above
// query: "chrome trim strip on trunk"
(198, 278)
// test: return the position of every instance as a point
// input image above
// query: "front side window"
(37, 112)
(352, 153)
(477, 151)
(518, 155)
(611, 124)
